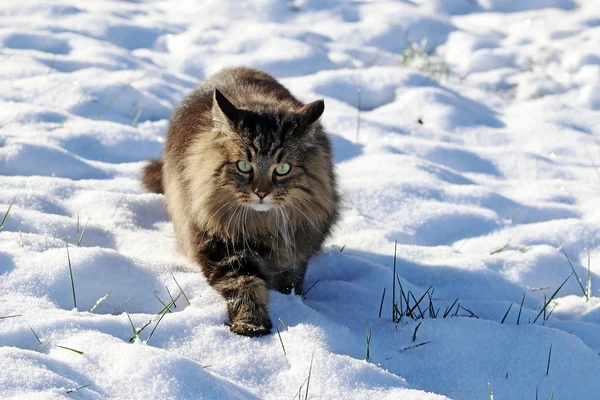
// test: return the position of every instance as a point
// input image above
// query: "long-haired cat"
(249, 183)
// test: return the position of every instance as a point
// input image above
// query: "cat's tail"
(152, 176)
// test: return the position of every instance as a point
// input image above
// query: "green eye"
(283, 169)
(244, 166)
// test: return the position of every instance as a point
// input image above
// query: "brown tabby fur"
(245, 114)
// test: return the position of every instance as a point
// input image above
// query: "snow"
(486, 176)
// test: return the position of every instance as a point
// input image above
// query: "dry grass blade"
(414, 346)
(394, 306)
(136, 118)
(506, 314)
(6, 213)
(490, 391)
(11, 316)
(549, 356)
(309, 375)
(285, 328)
(381, 305)
(368, 336)
(449, 309)
(589, 278)
(280, 340)
(520, 309)
(414, 337)
(79, 388)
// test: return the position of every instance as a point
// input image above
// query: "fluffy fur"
(243, 243)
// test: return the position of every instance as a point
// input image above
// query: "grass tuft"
(166, 310)
(577, 277)
(415, 55)
(552, 298)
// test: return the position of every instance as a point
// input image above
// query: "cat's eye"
(244, 166)
(283, 169)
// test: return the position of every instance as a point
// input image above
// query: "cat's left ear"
(223, 111)
(310, 113)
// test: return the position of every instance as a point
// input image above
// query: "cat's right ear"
(223, 111)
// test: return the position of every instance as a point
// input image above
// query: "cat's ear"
(223, 111)
(310, 113)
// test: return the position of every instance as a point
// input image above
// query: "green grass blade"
(179, 286)
(35, 334)
(552, 297)
(70, 349)
(71, 273)
(576, 276)
(100, 301)
(121, 305)
(310, 288)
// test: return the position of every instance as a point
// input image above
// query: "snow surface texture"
(477, 152)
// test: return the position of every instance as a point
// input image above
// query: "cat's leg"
(247, 303)
(290, 278)
(238, 279)
(299, 278)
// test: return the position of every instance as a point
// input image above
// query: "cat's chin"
(262, 207)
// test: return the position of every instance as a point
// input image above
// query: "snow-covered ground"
(476, 148)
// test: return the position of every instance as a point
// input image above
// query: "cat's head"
(272, 156)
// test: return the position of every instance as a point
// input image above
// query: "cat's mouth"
(261, 204)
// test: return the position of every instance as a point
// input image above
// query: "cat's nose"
(261, 194)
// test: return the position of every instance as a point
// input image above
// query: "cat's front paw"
(248, 329)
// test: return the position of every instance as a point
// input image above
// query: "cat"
(249, 182)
